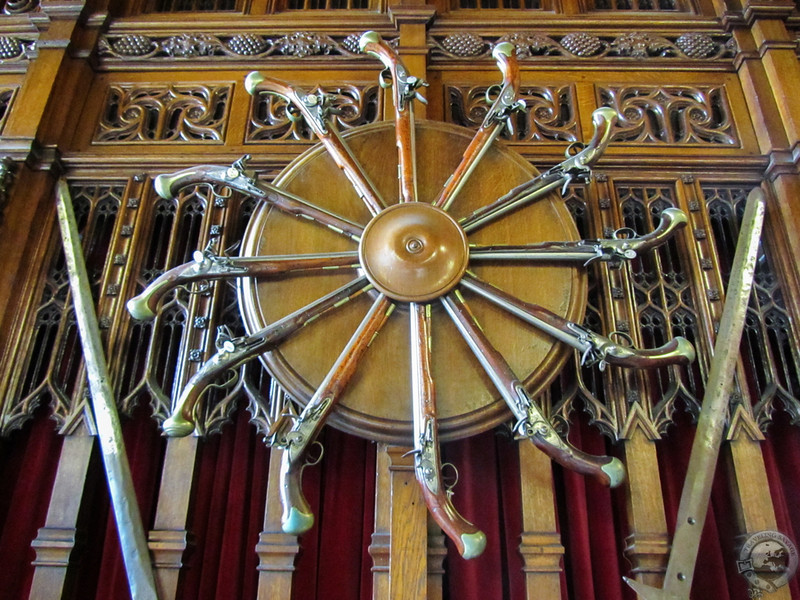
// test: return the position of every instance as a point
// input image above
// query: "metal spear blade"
(708, 437)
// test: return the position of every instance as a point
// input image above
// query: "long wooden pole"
(120, 484)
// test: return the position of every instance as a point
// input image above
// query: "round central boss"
(413, 252)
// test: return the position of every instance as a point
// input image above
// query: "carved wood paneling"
(671, 114)
(272, 119)
(538, 46)
(235, 46)
(164, 113)
(550, 113)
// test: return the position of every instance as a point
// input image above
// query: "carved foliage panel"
(550, 114)
(141, 113)
(674, 114)
(273, 119)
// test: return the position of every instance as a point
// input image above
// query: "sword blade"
(710, 426)
(132, 539)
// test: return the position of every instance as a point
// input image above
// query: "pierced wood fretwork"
(671, 114)
(164, 113)
(271, 118)
(550, 114)
(51, 369)
(771, 364)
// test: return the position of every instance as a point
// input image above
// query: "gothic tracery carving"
(164, 113)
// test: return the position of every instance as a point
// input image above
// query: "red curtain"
(28, 463)
(229, 494)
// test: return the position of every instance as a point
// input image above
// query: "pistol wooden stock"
(167, 186)
(297, 516)
(492, 126)
(468, 539)
(312, 107)
(211, 268)
(574, 168)
(595, 348)
(403, 88)
(530, 421)
(586, 251)
(235, 352)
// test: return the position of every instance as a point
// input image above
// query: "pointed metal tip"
(648, 592)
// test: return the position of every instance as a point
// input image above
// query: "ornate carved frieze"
(15, 50)
(671, 114)
(226, 47)
(550, 114)
(580, 45)
(272, 119)
(164, 113)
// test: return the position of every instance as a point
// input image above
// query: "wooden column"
(56, 543)
(169, 538)
(276, 550)
(401, 573)
(647, 545)
(540, 544)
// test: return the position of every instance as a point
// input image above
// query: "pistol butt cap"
(297, 522)
(615, 471)
(503, 49)
(368, 37)
(685, 349)
(163, 186)
(605, 113)
(177, 426)
(252, 80)
(139, 309)
(676, 215)
(474, 544)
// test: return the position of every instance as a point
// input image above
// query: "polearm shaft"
(710, 426)
(120, 484)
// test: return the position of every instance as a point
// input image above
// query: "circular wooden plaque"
(377, 401)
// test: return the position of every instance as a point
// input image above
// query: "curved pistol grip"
(372, 43)
(672, 219)
(252, 81)
(297, 516)
(144, 305)
(603, 119)
(677, 351)
(608, 470)
(506, 59)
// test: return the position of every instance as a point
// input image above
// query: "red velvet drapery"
(229, 495)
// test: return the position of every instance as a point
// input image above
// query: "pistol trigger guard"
(385, 79)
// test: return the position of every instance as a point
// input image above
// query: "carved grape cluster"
(9, 47)
(247, 44)
(582, 44)
(133, 45)
(464, 44)
(696, 45)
